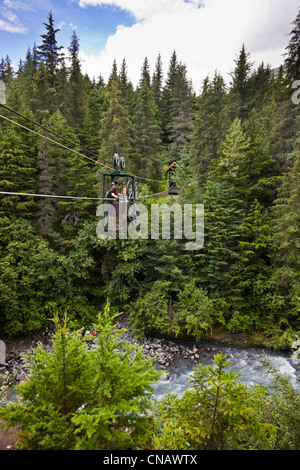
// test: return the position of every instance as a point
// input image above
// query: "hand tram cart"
(124, 208)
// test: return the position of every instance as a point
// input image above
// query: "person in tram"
(123, 189)
(112, 193)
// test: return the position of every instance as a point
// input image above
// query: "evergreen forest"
(237, 146)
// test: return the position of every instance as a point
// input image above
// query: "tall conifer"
(292, 60)
(78, 98)
(209, 125)
(49, 51)
(181, 107)
(240, 84)
(146, 135)
(17, 173)
(115, 125)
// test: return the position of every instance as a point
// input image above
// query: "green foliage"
(209, 125)
(292, 60)
(218, 412)
(146, 136)
(194, 311)
(237, 147)
(238, 151)
(17, 172)
(189, 313)
(35, 278)
(181, 108)
(116, 126)
(285, 253)
(116, 417)
(240, 84)
(58, 386)
(78, 96)
(281, 408)
(48, 51)
(222, 231)
(84, 399)
(150, 313)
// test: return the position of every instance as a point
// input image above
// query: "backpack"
(108, 194)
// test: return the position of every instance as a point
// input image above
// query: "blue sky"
(24, 24)
(206, 34)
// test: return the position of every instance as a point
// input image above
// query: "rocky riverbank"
(163, 351)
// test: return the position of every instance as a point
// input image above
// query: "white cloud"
(11, 22)
(61, 24)
(205, 39)
(12, 28)
(8, 14)
(143, 9)
(16, 5)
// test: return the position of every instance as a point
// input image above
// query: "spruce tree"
(245, 162)
(58, 175)
(224, 217)
(260, 166)
(240, 84)
(233, 154)
(128, 92)
(49, 51)
(6, 70)
(62, 95)
(217, 412)
(2, 70)
(181, 107)
(78, 398)
(249, 278)
(61, 379)
(114, 73)
(260, 85)
(209, 125)
(14, 96)
(124, 73)
(145, 75)
(78, 97)
(278, 119)
(167, 96)
(42, 100)
(117, 417)
(97, 104)
(292, 60)
(115, 125)
(157, 83)
(146, 135)
(25, 78)
(17, 172)
(286, 236)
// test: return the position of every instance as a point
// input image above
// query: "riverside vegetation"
(238, 150)
(101, 398)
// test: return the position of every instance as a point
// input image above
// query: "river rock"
(163, 351)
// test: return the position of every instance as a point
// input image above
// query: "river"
(248, 362)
